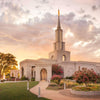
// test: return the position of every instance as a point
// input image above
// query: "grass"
(17, 91)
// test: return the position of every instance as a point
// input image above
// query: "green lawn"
(17, 91)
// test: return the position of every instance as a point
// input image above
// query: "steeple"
(58, 19)
(59, 54)
(59, 44)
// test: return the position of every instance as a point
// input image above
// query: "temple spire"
(58, 19)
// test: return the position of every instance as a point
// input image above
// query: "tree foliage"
(7, 61)
(56, 69)
(85, 76)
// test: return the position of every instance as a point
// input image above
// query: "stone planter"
(85, 93)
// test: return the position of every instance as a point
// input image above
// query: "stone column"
(49, 72)
(37, 73)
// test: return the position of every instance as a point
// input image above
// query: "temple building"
(41, 69)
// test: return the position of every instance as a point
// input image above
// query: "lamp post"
(27, 85)
(64, 85)
(39, 92)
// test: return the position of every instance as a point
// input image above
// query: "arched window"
(22, 71)
(52, 57)
(63, 58)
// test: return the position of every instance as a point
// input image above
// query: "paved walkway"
(56, 95)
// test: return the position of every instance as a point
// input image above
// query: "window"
(22, 71)
(52, 57)
(32, 69)
(63, 58)
(34, 74)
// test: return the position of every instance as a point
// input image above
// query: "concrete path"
(56, 95)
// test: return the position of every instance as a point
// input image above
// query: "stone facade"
(33, 68)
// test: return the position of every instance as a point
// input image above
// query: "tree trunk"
(2, 70)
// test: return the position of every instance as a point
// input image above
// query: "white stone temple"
(41, 69)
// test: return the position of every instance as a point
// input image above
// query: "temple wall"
(71, 67)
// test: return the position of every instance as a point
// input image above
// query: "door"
(43, 74)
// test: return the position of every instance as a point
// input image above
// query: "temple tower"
(59, 54)
(59, 44)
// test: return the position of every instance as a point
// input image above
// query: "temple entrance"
(43, 74)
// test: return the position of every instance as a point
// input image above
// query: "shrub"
(69, 83)
(2, 80)
(32, 79)
(85, 76)
(52, 84)
(56, 81)
(56, 69)
(24, 78)
(56, 78)
(12, 78)
(98, 80)
(71, 77)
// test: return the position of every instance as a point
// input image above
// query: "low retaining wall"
(85, 93)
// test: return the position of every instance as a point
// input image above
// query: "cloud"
(43, 1)
(13, 13)
(35, 36)
(81, 11)
(94, 7)
(38, 6)
(87, 16)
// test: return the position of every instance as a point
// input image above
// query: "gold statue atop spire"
(58, 26)
(58, 12)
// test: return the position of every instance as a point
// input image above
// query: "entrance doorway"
(43, 74)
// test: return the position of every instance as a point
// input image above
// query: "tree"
(7, 61)
(85, 76)
(56, 69)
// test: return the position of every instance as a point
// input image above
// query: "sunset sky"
(27, 28)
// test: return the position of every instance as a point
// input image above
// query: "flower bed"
(56, 78)
(91, 87)
(54, 86)
(85, 93)
(90, 90)
(69, 83)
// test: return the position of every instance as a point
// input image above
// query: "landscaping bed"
(93, 87)
(54, 86)
(85, 93)
(91, 90)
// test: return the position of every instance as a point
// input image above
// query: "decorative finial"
(58, 12)
(58, 19)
